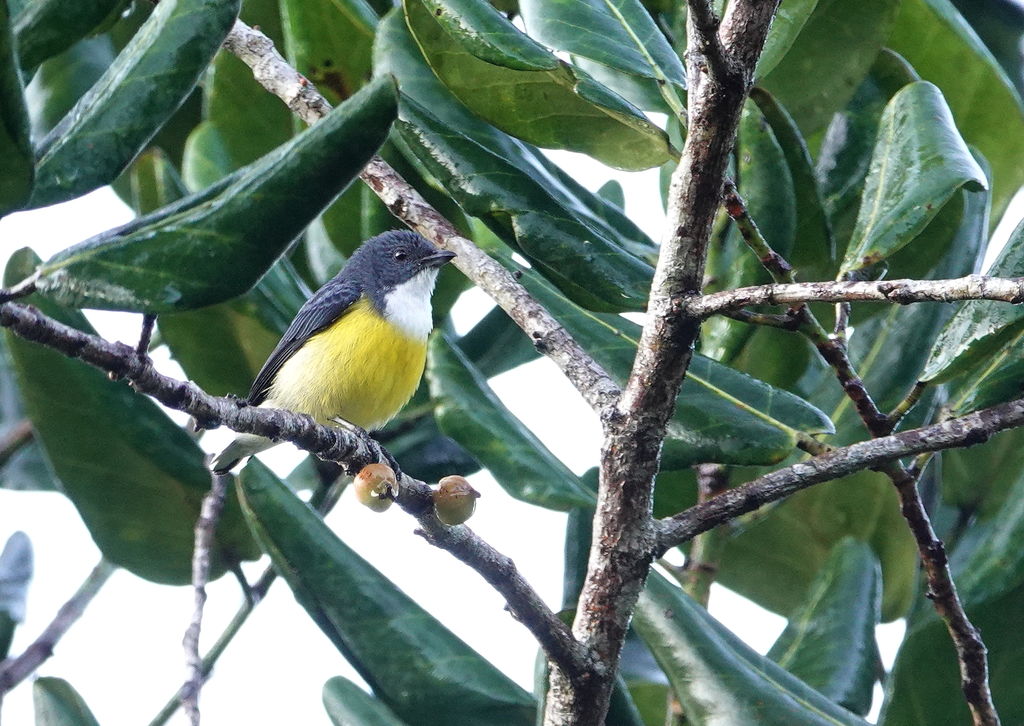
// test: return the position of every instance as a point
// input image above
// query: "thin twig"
(274, 73)
(15, 670)
(903, 407)
(701, 566)
(18, 436)
(148, 321)
(719, 73)
(901, 292)
(206, 525)
(352, 449)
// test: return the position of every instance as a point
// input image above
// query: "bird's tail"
(244, 445)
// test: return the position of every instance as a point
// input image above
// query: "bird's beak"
(437, 259)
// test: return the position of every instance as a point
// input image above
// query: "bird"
(355, 352)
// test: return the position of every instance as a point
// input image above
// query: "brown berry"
(454, 500)
(376, 486)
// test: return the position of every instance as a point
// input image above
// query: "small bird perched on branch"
(355, 351)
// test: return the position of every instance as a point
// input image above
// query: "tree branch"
(206, 525)
(15, 670)
(974, 428)
(719, 73)
(275, 74)
(350, 449)
(902, 292)
(971, 651)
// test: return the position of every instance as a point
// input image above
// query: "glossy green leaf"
(329, 42)
(919, 161)
(496, 344)
(415, 665)
(789, 20)
(988, 568)
(524, 198)
(813, 249)
(775, 556)
(135, 477)
(620, 34)
(243, 332)
(216, 244)
(488, 64)
(25, 469)
(152, 183)
(59, 82)
(148, 81)
(721, 414)
(829, 642)
(470, 412)
(18, 170)
(718, 679)
(831, 55)
(844, 155)
(980, 327)
(45, 28)
(58, 704)
(15, 576)
(943, 48)
(349, 705)
(977, 479)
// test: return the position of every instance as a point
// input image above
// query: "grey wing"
(328, 304)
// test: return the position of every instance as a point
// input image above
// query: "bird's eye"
(400, 255)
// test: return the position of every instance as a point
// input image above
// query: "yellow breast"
(361, 369)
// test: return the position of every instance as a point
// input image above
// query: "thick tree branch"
(974, 428)
(275, 74)
(15, 670)
(352, 450)
(903, 292)
(720, 66)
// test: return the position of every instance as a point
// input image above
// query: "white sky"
(125, 655)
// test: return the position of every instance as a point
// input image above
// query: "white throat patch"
(407, 307)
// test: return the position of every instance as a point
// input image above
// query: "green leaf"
(58, 704)
(789, 20)
(844, 156)
(15, 576)
(977, 479)
(414, 664)
(136, 478)
(45, 28)
(329, 42)
(718, 679)
(59, 82)
(487, 63)
(423, 450)
(496, 344)
(988, 568)
(829, 58)
(813, 248)
(18, 170)
(943, 48)
(766, 184)
(773, 558)
(26, 468)
(349, 705)
(619, 34)
(980, 327)
(470, 412)
(918, 163)
(148, 81)
(242, 331)
(721, 415)
(152, 182)
(829, 642)
(216, 244)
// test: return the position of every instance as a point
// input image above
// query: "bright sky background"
(125, 655)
